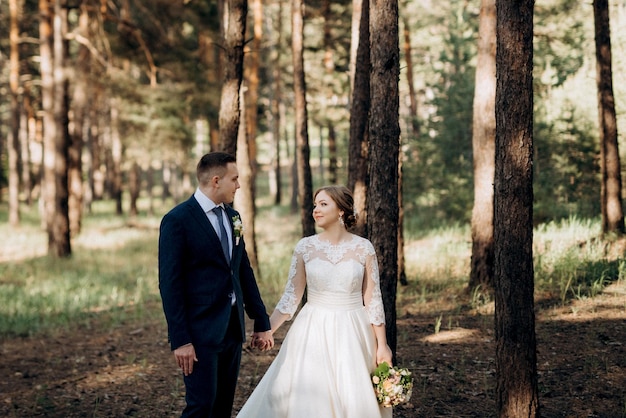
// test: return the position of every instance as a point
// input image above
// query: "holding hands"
(262, 340)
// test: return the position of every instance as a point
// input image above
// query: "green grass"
(112, 274)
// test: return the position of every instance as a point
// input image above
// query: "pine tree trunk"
(305, 181)
(409, 75)
(611, 186)
(244, 199)
(332, 153)
(274, 111)
(13, 144)
(55, 101)
(401, 259)
(360, 80)
(234, 33)
(516, 356)
(483, 143)
(253, 63)
(134, 188)
(384, 146)
(115, 166)
(27, 133)
(80, 107)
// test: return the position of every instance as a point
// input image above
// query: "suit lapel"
(198, 215)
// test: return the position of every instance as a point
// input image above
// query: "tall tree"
(234, 23)
(13, 144)
(483, 144)
(516, 355)
(275, 106)
(53, 50)
(360, 105)
(384, 147)
(244, 199)
(79, 109)
(408, 58)
(303, 150)
(252, 63)
(611, 186)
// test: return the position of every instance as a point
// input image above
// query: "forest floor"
(129, 371)
(99, 370)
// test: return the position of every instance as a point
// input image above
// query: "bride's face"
(325, 210)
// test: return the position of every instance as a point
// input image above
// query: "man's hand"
(185, 357)
(262, 340)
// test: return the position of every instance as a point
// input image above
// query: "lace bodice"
(334, 275)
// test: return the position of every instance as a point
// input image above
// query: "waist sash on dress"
(335, 301)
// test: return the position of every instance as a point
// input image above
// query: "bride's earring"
(341, 220)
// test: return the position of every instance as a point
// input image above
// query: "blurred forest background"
(145, 83)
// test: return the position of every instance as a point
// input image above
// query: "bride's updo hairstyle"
(342, 196)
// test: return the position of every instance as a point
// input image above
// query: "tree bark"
(234, 21)
(115, 165)
(253, 60)
(611, 186)
(516, 356)
(483, 143)
(274, 114)
(55, 102)
(303, 151)
(360, 65)
(409, 75)
(332, 153)
(401, 259)
(80, 107)
(134, 188)
(244, 199)
(384, 145)
(13, 144)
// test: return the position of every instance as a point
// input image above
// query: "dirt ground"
(129, 371)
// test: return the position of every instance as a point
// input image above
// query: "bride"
(338, 338)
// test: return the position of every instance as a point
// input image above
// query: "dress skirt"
(323, 367)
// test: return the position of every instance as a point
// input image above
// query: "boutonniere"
(237, 228)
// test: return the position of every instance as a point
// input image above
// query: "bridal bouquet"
(392, 386)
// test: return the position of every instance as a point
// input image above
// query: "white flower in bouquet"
(393, 386)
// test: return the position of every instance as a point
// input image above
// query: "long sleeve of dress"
(296, 283)
(372, 296)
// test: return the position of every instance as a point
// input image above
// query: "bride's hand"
(384, 354)
(262, 340)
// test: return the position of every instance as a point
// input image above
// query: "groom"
(206, 282)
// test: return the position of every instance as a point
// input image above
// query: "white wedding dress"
(323, 367)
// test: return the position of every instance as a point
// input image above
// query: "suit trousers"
(210, 388)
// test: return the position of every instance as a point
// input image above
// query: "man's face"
(228, 184)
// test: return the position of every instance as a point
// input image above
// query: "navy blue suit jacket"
(196, 281)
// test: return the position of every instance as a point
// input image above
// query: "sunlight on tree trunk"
(483, 143)
(611, 186)
(244, 198)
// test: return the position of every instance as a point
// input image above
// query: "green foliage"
(559, 39)
(566, 168)
(571, 262)
(438, 181)
(112, 274)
